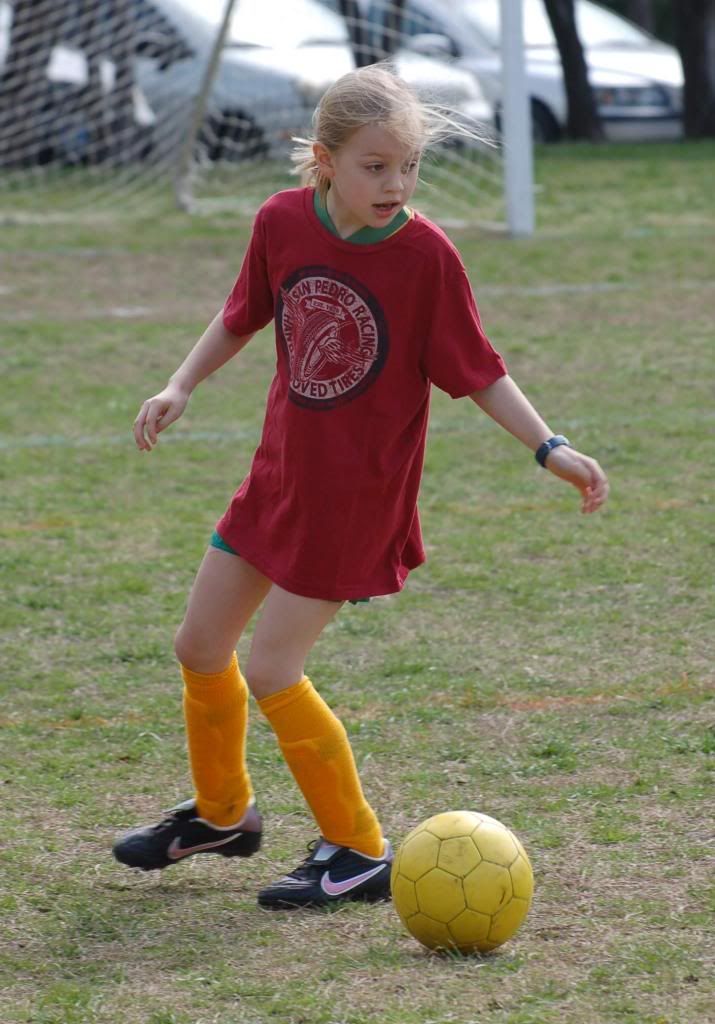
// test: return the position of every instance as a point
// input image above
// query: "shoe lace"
(307, 867)
(169, 822)
(164, 825)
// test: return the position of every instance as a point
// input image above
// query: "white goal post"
(128, 106)
(516, 123)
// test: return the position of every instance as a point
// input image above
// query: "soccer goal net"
(118, 106)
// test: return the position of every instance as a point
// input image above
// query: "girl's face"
(371, 177)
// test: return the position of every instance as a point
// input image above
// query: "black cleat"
(331, 874)
(183, 834)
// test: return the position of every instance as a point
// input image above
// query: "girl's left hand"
(581, 471)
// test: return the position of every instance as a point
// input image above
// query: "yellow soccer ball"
(462, 881)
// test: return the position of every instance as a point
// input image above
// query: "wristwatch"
(542, 452)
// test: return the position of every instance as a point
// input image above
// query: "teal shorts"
(217, 541)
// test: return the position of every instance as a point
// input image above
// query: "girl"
(371, 306)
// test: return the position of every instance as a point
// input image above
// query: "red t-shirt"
(329, 507)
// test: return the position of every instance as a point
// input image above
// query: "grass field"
(552, 670)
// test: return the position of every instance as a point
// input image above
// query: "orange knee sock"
(316, 748)
(216, 714)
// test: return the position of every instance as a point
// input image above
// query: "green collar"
(363, 236)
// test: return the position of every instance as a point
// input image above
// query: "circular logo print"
(334, 335)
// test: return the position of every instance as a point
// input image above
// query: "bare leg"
(287, 628)
(225, 595)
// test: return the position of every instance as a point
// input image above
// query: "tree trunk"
(358, 31)
(696, 41)
(392, 21)
(583, 120)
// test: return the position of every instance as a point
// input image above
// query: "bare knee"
(196, 652)
(186, 649)
(268, 673)
(259, 676)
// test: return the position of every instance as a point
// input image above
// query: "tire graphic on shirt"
(334, 336)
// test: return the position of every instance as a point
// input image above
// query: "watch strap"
(542, 452)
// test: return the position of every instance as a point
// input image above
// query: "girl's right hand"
(157, 413)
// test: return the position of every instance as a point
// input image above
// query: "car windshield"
(274, 23)
(596, 26)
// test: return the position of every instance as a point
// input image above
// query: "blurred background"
(128, 102)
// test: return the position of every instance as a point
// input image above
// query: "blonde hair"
(374, 95)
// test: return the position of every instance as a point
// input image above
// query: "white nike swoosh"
(176, 851)
(331, 888)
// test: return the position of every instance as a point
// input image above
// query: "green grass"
(552, 670)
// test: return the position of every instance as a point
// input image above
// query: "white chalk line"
(124, 440)
(114, 313)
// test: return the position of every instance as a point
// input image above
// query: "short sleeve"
(249, 306)
(457, 356)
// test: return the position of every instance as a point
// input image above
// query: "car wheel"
(544, 126)
(231, 135)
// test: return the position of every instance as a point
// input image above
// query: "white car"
(637, 80)
(279, 58)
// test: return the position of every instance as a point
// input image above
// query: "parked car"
(279, 58)
(72, 114)
(637, 80)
